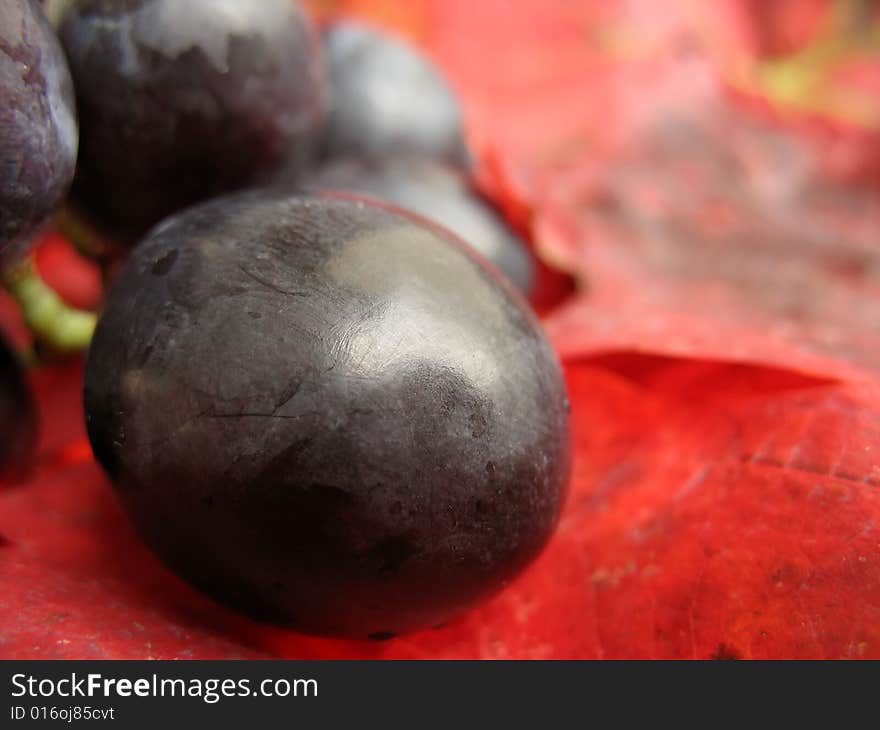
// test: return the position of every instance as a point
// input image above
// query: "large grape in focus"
(326, 414)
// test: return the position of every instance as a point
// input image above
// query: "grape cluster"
(315, 383)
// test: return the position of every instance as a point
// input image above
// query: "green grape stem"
(52, 321)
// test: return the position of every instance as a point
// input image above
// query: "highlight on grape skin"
(440, 193)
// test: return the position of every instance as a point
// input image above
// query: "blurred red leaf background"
(708, 176)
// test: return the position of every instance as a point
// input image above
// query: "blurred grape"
(441, 194)
(38, 144)
(386, 98)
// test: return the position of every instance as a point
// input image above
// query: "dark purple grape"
(18, 417)
(326, 414)
(180, 101)
(38, 131)
(386, 99)
(441, 194)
